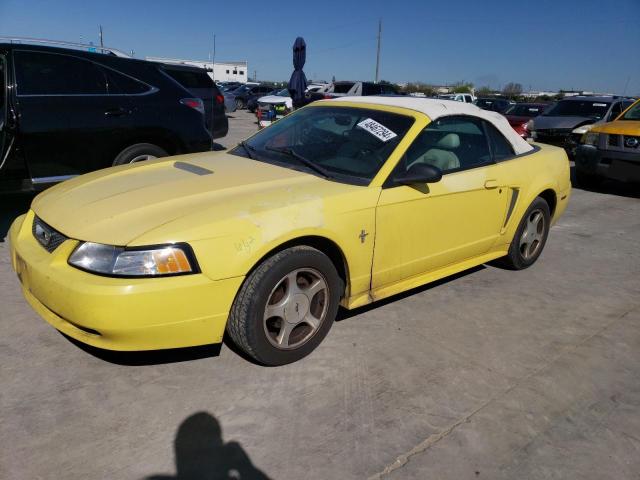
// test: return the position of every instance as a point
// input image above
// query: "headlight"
(133, 262)
(583, 129)
(590, 138)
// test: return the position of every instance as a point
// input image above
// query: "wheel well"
(549, 196)
(163, 141)
(326, 246)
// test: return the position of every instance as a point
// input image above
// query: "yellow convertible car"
(343, 202)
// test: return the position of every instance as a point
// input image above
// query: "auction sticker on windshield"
(377, 129)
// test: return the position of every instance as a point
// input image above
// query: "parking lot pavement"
(491, 374)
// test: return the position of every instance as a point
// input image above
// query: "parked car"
(499, 105)
(611, 150)
(229, 86)
(565, 123)
(273, 107)
(458, 97)
(279, 95)
(518, 116)
(351, 89)
(198, 82)
(66, 112)
(229, 102)
(332, 205)
(246, 92)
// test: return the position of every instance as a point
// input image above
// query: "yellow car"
(611, 150)
(343, 202)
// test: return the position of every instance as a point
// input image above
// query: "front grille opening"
(614, 140)
(48, 237)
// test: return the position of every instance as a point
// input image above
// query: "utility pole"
(213, 59)
(101, 42)
(255, 75)
(378, 53)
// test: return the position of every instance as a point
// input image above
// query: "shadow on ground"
(12, 206)
(153, 357)
(609, 187)
(201, 454)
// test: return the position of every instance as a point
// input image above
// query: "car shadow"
(151, 357)
(202, 454)
(344, 314)
(12, 206)
(609, 187)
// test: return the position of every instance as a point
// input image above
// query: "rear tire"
(530, 238)
(138, 153)
(286, 306)
(239, 104)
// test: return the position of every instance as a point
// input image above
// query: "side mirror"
(419, 173)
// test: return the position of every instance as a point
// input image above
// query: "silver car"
(229, 102)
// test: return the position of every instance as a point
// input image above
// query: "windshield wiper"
(305, 161)
(249, 149)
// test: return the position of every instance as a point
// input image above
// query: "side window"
(53, 74)
(120, 84)
(450, 144)
(501, 149)
(615, 111)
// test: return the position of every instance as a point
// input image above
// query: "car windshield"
(283, 93)
(525, 110)
(346, 144)
(633, 113)
(578, 108)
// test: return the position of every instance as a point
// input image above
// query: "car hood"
(621, 127)
(544, 122)
(173, 197)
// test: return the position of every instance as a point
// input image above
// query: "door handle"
(491, 184)
(117, 112)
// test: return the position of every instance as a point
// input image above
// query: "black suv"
(66, 111)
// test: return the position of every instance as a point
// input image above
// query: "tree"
(484, 91)
(512, 89)
(461, 87)
(415, 87)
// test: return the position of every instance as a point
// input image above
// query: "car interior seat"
(441, 155)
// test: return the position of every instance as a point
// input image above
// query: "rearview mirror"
(419, 173)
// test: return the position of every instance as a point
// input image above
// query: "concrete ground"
(492, 374)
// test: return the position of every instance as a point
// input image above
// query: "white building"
(219, 71)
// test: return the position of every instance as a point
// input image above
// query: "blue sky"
(545, 45)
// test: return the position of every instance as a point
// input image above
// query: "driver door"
(427, 227)
(4, 100)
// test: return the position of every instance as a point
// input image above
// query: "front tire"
(530, 238)
(286, 306)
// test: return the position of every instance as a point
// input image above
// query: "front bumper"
(114, 313)
(622, 166)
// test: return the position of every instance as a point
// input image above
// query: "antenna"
(378, 52)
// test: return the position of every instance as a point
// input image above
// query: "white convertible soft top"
(436, 108)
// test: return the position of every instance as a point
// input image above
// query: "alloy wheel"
(296, 308)
(532, 234)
